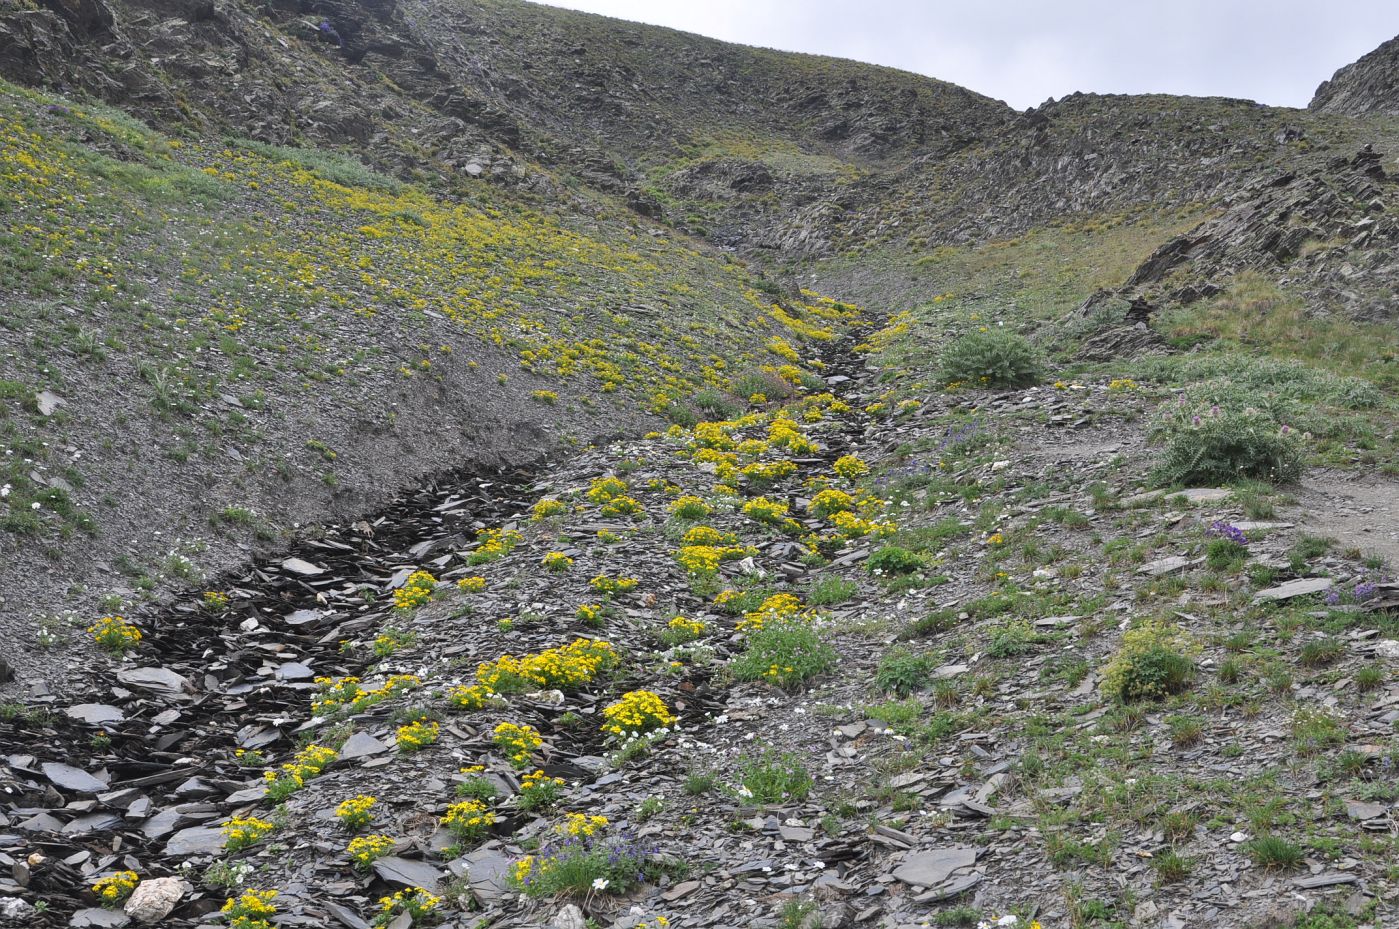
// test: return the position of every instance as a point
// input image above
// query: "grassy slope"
(257, 336)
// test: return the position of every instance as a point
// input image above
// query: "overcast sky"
(1025, 51)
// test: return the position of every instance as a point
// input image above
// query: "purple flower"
(1222, 530)
(1332, 597)
(1364, 591)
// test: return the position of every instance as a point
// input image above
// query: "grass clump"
(1153, 662)
(994, 358)
(893, 560)
(831, 590)
(1273, 853)
(774, 778)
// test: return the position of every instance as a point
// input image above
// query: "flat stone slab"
(162, 680)
(1359, 809)
(1325, 879)
(95, 714)
(1202, 494)
(408, 872)
(1247, 526)
(302, 567)
(1298, 588)
(930, 868)
(197, 840)
(1164, 566)
(361, 745)
(485, 871)
(71, 778)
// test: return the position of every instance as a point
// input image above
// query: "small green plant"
(1319, 652)
(794, 913)
(773, 778)
(1014, 637)
(902, 672)
(783, 652)
(892, 561)
(1225, 555)
(831, 590)
(993, 358)
(700, 782)
(1369, 677)
(1274, 853)
(1315, 730)
(1185, 730)
(1153, 662)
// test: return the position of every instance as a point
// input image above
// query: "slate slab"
(196, 840)
(407, 872)
(70, 778)
(931, 867)
(1298, 588)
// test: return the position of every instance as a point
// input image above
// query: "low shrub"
(902, 672)
(1219, 447)
(994, 358)
(1153, 662)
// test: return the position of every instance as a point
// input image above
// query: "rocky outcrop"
(1367, 86)
(1330, 232)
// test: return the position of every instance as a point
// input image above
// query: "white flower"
(1010, 919)
(599, 883)
(34, 505)
(4, 491)
(745, 793)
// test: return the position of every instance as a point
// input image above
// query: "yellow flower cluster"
(690, 507)
(850, 468)
(415, 901)
(113, 889)
(765, 473)
(519, 742)
(708, 535)
(851, 526)
(604, 489)
(1122, 383)
(215, 601)
(115, 634)
(829, 502)
(468, 820)
(590, 613)
(687, 628)
(547, 507)
(470, 697)
(417, 735)
(776, 607)
(556, 561)
(539, 789)
(995, 538)
(580, 825)
(365, 849)
(355, 813)
(471, 585)
(494, 544)
(622, 506)
(787, 434)
(239, 832)
(636, 713)
(763, 510)
(415, 591)
(250, 910)
(545, 396)
(713, 435)
(305, 764)
(704, 560)
(335, 693)
(567, 666)
(612, 585)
